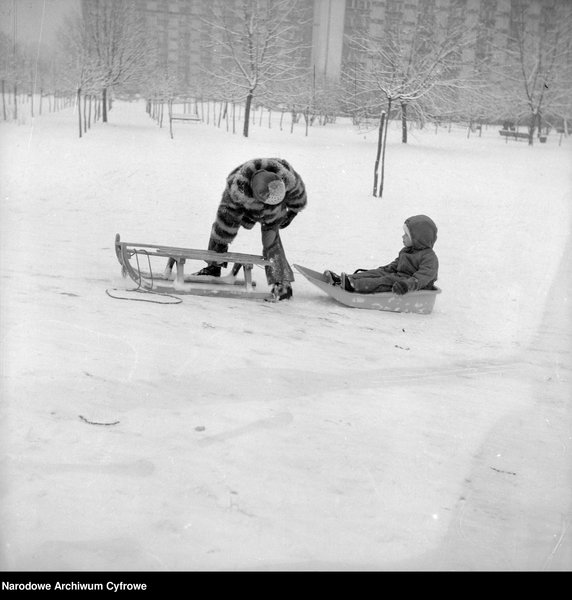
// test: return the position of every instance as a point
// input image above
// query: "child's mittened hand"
(400, 287)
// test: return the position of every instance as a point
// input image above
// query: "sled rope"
(96, 422)
(139, 290)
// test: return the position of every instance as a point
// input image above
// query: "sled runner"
(137, 262)
(421, 301)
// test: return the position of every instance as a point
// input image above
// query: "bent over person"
(266, 191)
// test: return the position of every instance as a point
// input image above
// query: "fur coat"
(239, 208)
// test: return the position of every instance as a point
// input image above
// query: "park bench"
(516, 135)
(186, 117)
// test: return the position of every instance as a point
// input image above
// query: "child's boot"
(346, 283)
(332, 278)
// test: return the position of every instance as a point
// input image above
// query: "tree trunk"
(247, 114)
(403, 123)
(531, 129)
(3, 102)
(383, 149)
(79, 109)
(104, 105)
(539, 123)
(378, 156)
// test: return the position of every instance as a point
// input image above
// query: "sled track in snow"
(286, 382)
(476, 369)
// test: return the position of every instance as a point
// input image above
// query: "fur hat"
(268, 187)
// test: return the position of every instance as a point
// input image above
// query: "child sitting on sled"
(415, 268)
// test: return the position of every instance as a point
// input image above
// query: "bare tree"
(20, 68)
(477, 102)
(256, 47)
(113, 44)
(536, 77)
(406, 65)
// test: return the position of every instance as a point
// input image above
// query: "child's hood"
(423, 231)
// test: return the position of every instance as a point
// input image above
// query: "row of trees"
(28, 81)
(416, 72)
(421, 72)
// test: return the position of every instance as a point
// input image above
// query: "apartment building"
(182, 29)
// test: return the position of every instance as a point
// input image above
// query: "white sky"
(35, 20)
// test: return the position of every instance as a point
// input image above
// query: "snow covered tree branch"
(535, 77)
(256, 48)
(407, 66)
(108, 45)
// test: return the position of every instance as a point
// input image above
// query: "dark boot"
(332, 278)
(346, 284)
(282, 291)
(210, 270)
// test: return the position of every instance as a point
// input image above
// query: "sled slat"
(194, 254)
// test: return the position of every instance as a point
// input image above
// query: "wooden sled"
(421, 301)
(137, 261)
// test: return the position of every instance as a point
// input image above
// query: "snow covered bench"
(185, 117)
(517, 135)
(188, 117)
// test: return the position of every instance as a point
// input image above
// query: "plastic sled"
(421, 301)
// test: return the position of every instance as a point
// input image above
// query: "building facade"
(180, 28)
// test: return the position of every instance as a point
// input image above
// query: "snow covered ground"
(302, 435)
